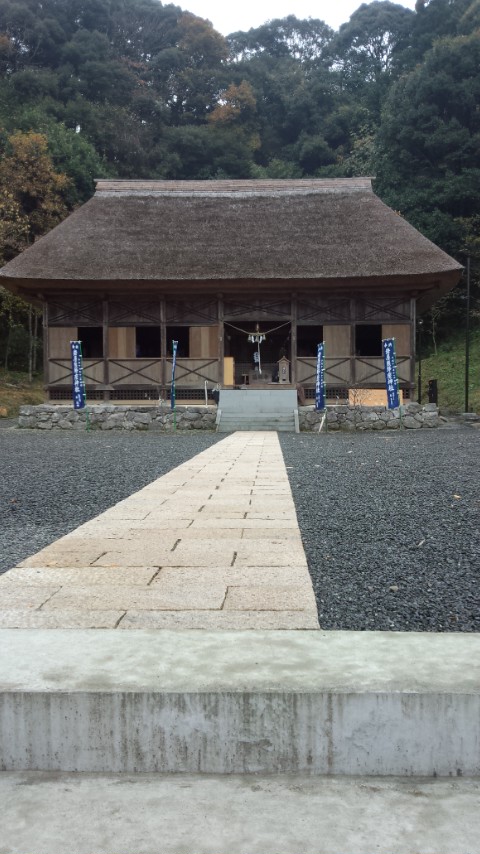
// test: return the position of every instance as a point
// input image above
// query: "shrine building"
(229, 269)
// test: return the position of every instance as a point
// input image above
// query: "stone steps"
(277, 421)
(192, 814)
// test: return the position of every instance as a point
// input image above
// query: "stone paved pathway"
(213, 544)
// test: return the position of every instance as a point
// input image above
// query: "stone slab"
(270, 598)
(85, 575)
(31, 596)
(161, 597)
(284, 576)
(220, 621)
(66, 619)
(192, 814)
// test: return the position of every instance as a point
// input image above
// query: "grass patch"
(448, 367)
(16, 390)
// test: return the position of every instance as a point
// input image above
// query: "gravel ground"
(390, 526)
(50, 483)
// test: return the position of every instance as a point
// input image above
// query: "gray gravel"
(389, 544)
(50, 483)
(390, 526)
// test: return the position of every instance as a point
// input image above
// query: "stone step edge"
(240, 702)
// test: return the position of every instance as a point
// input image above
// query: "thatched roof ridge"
(323, 230)
(237, 187)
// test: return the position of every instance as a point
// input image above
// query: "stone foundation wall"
(109, 417)
(349, 418)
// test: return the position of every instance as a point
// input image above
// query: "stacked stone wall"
(350, 418)
(109, 417)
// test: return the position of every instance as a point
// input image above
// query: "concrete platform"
(240, 702)
(212, 544)
(156, 814)
(145, 739)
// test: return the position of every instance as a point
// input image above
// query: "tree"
(429, 140)
(428, 151)
(436, 19)
(304, 40)
(31, 202)
(193, 80)
(365, 49)
(14, 226)
(27, 171)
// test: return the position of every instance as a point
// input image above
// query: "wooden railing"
(193, 373)
(60, 371)
(350, 371)
(135, 372)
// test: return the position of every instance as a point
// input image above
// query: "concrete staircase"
(258, 409)
(279, 421)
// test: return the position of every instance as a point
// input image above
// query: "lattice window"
(66, 394)
(193, 310)
(333, 394)
(74, 311)
(257, 309)
(313, 311)
(138, 311)
(135, 394)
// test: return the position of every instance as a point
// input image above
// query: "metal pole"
(467, 337)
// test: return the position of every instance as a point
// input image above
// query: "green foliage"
(448, 367)
(303, 40)
(429, 142)
(138, 89)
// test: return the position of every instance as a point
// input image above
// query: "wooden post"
(293, 347)
(221, 339)
(46, 348)
(106, 393)
(413, 343)
(163, 342)
(353, 317)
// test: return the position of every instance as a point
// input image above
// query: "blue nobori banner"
(391, 379)
(320, 395)
(174, 365)
(78, 385)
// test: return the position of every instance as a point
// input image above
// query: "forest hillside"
(136, 88)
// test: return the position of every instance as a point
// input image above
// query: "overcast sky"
(228, 17)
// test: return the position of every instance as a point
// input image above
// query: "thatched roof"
(231, 230)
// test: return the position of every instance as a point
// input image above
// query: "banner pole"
(320, 385)
(173, 392)
(87, 416)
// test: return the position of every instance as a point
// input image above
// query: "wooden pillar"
(46, 347)
(293, 339)
(353, 317)
(413, 341)
(221, 338)
(106, 393)
(163, 341)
